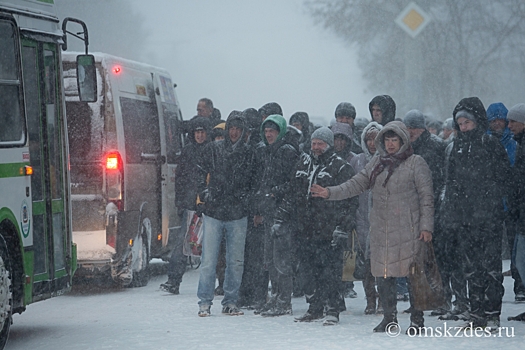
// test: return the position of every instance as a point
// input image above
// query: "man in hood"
(186, 190)
(226, 179)
(279, 163)
(345, 113)
(382, 109)
(322, 227)
(498, 126)
(472, 209)
(301, 121)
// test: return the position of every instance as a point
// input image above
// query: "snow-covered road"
(147, 318)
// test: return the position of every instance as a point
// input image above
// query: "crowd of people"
(279, 201)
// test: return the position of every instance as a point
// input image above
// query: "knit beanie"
(465, 114)
(414, 119)
(345, 109)
(517, 113)
(448, 124)
(324, 134)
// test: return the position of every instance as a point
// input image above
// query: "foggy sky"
(243, 54)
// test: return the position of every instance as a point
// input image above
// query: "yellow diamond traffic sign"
(413, 19)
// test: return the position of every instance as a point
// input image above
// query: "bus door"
(44, 111)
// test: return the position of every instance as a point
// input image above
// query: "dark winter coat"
(476, 166)
(388, 107)
(432, 149)
(187, 171)
(317, 218)
(231, 170)
(517, 196)
(279, 163)
(401, 209)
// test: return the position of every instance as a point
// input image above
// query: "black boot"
(417, 322)
(388, 323)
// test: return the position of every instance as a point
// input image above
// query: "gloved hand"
(199, 210)
(340, 238)
(277, 229)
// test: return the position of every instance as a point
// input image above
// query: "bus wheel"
(6, 296)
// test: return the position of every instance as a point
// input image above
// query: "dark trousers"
(511, 229)
(254, 285)
(178, 261)
(278, 259)
(322, 265)
(449, 259)
(481, 248)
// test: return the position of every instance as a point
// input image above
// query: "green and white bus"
(37, 255)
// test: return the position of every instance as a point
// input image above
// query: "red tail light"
(113, 161)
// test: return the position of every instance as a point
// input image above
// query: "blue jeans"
(519, 258)
(235, 234)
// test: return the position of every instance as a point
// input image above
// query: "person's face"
(516, 127)
(319, 147)
(235, 133)
(345, 119)
(203, 110)
(497, 125)
(415, 133)
(298, 125)
(339, 143)
(447, 132)
(271, 135)
(465, 124)
(392, 144)
(371, 144)
(200, 136)
(377, 114)
(432, 130)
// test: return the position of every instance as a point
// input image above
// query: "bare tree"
(468, 48)
(113, 26)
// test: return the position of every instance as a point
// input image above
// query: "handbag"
(193, 239)
(353, 262)
(425, 281)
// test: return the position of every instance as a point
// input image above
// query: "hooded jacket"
(400, 210)
(476, 166)
(345, 130)
(187, 170)
(365, 201)
(279, 162)
(388, 107)
(231, 170)
(303, 119)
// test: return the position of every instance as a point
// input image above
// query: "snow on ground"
(147, 318)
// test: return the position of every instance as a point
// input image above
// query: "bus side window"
(12, 129)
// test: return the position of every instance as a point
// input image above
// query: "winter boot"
(278, 310)
(310, 315)
(170, 286)
(370, 306)
(389, 323)
(417, 322)
(331, 320)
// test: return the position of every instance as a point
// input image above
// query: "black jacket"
(187, 171)
(432, 149)
(278, 168)
(230, 169)
(317, 218)
(476, 169)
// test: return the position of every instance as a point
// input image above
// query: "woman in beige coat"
(402, 214)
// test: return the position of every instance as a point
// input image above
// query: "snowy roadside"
(147, 318)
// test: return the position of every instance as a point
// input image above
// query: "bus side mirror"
(86, 78)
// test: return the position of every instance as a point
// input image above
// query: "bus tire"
(6, 295)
